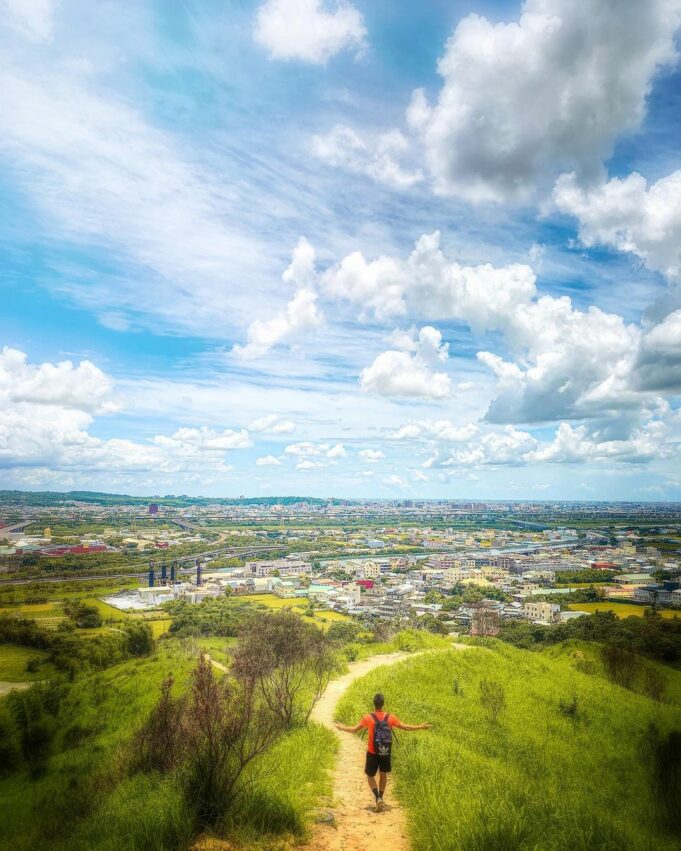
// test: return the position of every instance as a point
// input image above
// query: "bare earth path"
(6, 688)
(356, 826)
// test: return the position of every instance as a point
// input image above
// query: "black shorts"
(376, 763)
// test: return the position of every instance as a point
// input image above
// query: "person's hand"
(338, 726)
(426, 726)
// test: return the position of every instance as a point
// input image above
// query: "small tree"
(288, 661)
(140, 639)
(485, 622)
(492, 698)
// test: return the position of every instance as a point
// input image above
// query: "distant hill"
(50, 498)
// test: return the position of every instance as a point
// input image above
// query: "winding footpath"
(356, 826)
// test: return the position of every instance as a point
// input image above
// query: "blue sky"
(359, 249)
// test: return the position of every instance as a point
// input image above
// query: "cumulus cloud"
(307, 449)
(204, 439)
(308, 30)
(272, 424)
(378, 158)
(46, 412)
(627, 214)
(371, 456)
(444, 430)
(658, 364)
(428, 283)
(581, 71)
(412, 372)
(267, 461)
(573, 363)
(574, 445)
(84, 387)
(300, 316)
(509, 447)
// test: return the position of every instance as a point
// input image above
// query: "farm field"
(525, 778)
(274, 602)
(13, 661)
(622, 610)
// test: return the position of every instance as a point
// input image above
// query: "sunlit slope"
(567, 764)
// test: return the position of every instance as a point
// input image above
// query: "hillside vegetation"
(528, 750)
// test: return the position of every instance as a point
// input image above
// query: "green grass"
(323, 618)
(534, 779)
(87, 801)
(13, 660)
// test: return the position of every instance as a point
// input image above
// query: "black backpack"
(383, 735)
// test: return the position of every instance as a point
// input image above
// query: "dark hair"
(379, 700)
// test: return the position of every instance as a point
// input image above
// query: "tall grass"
(538, 777)
(87, 799)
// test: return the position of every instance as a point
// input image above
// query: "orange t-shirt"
(369, 723)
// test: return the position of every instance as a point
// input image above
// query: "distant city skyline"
(368, 249)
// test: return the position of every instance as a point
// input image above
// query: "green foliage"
(214, 616)
(538, 778)
(83, 615)
(652, 636)
(140, 640)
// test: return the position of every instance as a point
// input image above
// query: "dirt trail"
(356, 826)
(6, 688)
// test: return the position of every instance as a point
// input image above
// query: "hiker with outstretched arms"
(379, 745)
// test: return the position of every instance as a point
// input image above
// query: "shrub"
(210, 739)
(33, 666)
(140, 639)
(492, 699)
(285, 659)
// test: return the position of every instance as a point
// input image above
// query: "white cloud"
(395, 482)
(300, 316)
(572, 363)
(308, 30)
(371, 456)
(429, 284)
(84, 387)
(574, 445)
(378, 158)
(267, 461)
(205, 439)
(308, 449)
(46, 412)
(442, 430)
(509, 447)
(30, 18)
(272, 424)
(581, 72)
(402, 373)
(627, 214)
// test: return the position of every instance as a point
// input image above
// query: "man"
(379, 745)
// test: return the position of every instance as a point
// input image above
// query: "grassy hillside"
(539, 776)
(87, 800)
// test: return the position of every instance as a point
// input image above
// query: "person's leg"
(382, 782)
(370, 770)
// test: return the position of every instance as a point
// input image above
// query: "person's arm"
(412, 727)
(345, 729)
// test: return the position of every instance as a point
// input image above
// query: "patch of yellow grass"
(622, 610)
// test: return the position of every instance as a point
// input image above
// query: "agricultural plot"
(14, 661)
(622, 610)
